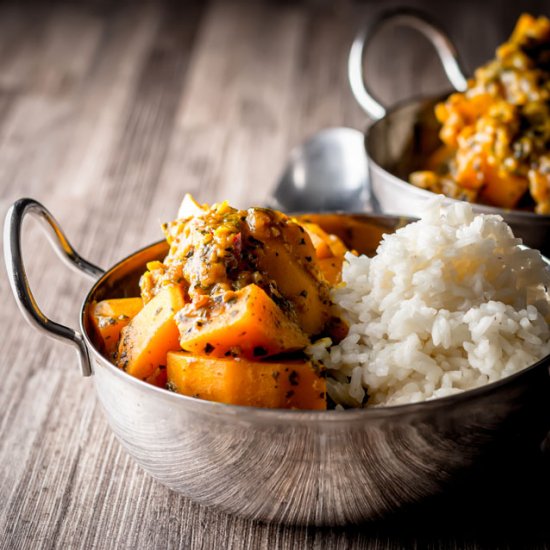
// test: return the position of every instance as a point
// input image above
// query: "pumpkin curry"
(228, 312)
(496, 134)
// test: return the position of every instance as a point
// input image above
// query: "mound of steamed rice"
(448, 303)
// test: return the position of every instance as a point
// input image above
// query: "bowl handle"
(18, 277)
(409, 18)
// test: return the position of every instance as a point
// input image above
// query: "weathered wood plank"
(109, 111)
(236, 105)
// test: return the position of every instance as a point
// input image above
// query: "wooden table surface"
(111, 111)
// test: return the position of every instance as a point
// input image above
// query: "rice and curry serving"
(252, 307)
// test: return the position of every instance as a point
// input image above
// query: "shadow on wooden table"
(507, 506)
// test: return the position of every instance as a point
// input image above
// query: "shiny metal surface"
(321, 468)
(406, 17)
(328, 172)
(308, 467)
(403, 137)
(18, 278)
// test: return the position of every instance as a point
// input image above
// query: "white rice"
(448, 303)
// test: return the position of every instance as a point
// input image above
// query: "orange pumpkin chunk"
(503, 189)
(109, 317)
(331, 268)
(250, 325)
(285, 385)
(151, 334)
(158, 378)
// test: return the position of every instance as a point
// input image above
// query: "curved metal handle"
(18, 277)
(410, 18)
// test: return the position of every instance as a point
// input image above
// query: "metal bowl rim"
(294, 414)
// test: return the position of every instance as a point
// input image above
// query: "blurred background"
(200, 96)
(111, 110)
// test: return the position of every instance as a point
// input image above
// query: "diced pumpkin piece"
(525, 25)
(151, 334)
(539, 185)
(285, 385)
(471, 168)
(284, 252)
(502, 188)
(331, 268)
(303, 287)
(330, 252)
(158, 378)
(250, 325)
(322, 248)
(109, 317)
(325, 244)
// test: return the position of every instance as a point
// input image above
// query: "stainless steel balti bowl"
(296, 467)
(403, 137)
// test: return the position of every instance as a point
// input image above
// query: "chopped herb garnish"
(259, 351)
(293, 378)
(209, 348)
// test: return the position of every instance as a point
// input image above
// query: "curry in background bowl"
(499, 173)
(496, 134)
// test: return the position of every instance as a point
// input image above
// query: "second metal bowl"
(403, 137)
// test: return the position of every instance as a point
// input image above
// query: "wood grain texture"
(109, 112)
